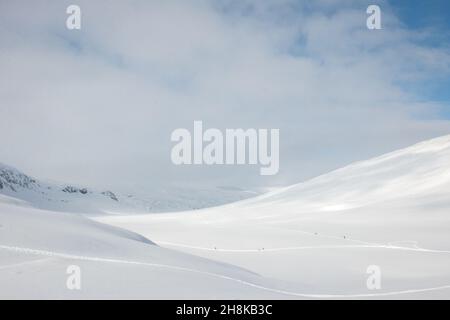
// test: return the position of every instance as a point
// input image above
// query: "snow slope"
(418, 171)
(323, 234)
(37, 247)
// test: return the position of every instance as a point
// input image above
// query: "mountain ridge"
(81, 199)
(417, 170)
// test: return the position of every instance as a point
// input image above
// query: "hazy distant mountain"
(69, 198)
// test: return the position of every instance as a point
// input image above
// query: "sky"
(97, 106)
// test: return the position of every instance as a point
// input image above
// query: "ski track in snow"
(24, 263)
(363, 244)
(220, 276)
(373, 246)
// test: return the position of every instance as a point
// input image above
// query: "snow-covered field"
(311, 240)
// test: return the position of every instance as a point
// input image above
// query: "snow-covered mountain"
(420, 171)
(321, 236)
(17, 186)
(317, 239)
(69, 198)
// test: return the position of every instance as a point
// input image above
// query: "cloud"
(97, 106)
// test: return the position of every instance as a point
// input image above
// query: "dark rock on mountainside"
(110, 194)
(71, 189)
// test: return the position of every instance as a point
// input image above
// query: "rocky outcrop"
(110, 194)
(71, 189)
(14, 179)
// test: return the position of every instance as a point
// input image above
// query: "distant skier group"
(262, 249)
